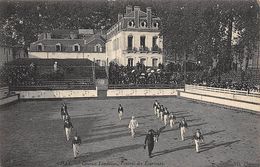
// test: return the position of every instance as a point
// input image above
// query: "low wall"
(46, 94)
(8, 99)
(228, 95)
(141, 92)
(226, 102)
(4, 91)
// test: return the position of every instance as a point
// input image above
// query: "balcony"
(156, 49)
(131, 50)
(144, 50)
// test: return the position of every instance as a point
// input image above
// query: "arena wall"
(225, 102)
(8, 99)
(53, 94)
(141, 92)
(45, 94)
(251, 98)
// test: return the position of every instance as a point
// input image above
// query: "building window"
(131, 24)
(39, 47)
(142, 41)
(76, 48)
(98, 48)
(98, 62)
(143, 24)
(58, 47)
(130, 42)
(155, 41)
(130, 62)
(155, 62)
(142, 61)
(155, 25)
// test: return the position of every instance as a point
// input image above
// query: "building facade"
(69, 44)
(135, 38)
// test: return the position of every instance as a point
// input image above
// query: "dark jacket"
(120, 109)
(183, 124)
(149, 139)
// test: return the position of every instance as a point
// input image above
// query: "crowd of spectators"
(140, 75)
(18, 75)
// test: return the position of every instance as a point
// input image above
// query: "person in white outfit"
(165, 116)
(155, 107)
(133, 124)
(172, 119)
(183, 126)
(197, 139)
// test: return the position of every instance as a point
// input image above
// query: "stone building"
(70, 44)
(135, 38)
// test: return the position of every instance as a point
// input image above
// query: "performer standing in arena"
(172, 119)
(75, 145)
(158, 110)
(120, 111)
(149, 141)
(133, 124)
(67, 127)
(161, 112)
(183, 126)
(63, 111)
(197, 139)
(165, 116)
(155, 106)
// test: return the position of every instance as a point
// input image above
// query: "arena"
(35, 136)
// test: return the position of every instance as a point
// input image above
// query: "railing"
(223, 90)
(145, 86)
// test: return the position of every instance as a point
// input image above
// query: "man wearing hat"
(133, 124)
(197, 139)
(75, 145)
(67, 127)
(149, 141)
(120, 111)
(183, 125)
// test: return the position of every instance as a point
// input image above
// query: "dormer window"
(155, 25)
(143, 24)
(58, 47)
(98, 48)
(131, 24)
(40, 47)
(76, 47)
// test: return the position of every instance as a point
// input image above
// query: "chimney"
(128, 9)
(136, 15)
(120, 16)
(48, 35)
(149, 17)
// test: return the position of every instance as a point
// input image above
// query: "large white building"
(134, 38)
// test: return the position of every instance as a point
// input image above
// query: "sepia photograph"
(129, 83)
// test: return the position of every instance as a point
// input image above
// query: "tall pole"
(185, 70)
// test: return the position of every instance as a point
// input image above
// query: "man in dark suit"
(120, 111)
(149, 141)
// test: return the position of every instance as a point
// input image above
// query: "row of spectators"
(141, 75)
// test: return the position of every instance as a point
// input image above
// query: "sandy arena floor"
(32, 135)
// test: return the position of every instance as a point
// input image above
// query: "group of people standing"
(164, 115)
(76, 141)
